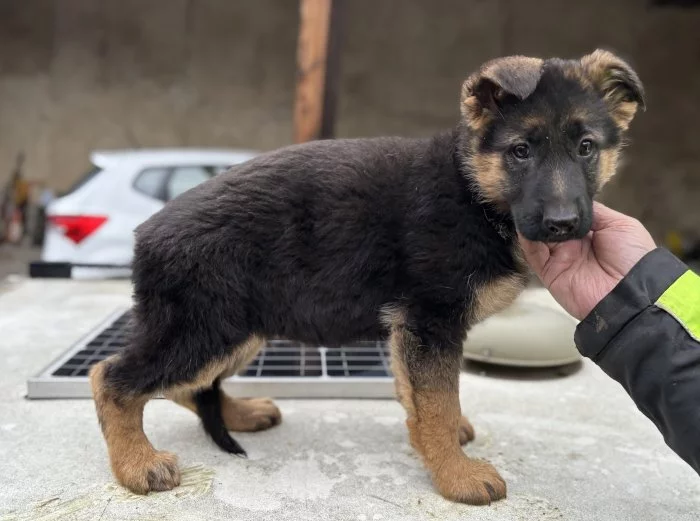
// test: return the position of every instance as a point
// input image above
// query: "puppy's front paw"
(150, 471)
(469, 481)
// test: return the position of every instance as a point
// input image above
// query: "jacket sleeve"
(645, 335)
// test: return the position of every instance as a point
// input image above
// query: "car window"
(185, 177)
(151, 182)
(83, 180)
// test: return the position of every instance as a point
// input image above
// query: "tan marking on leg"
(249, 415)
(495, 296)
(183, 397)
(243, 415)
(392, 316)
(238, 359)
(243, 355)
(202, 380)
(466, 431)
(402, 385)
(430, 395)
(135, 463)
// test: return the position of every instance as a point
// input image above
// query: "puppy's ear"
(617, 83)
(498, 81)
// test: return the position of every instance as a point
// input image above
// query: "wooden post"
(318, 50)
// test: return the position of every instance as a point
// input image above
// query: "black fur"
(313, 242)
(310, 242)
(208, 403)
(531, 189)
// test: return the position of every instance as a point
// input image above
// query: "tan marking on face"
(521, 265)
(558, 182)
(512, 137)
(489, 174)
(533, 122)
(529, 124)
(578, 113)
(495, 296)
(622, 112)
(607, 166)
(582, 115)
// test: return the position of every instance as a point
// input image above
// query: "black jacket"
(646, 336)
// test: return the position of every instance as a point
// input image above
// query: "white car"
(94, 222)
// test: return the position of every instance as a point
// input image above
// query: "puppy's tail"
(208, 402)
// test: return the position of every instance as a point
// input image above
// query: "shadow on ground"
(520, 373)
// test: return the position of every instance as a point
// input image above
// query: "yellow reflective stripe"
(682, 300)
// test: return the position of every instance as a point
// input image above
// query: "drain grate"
(282, 369)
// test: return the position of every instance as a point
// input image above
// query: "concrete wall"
(81, 74)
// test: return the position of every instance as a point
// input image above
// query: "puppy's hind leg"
(221, 413)
(134, 461)
(208, 406)
(170, 361)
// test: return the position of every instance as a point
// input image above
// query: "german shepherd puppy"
(340, 240)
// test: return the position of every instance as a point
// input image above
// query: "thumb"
(536, 254)
(604, 217)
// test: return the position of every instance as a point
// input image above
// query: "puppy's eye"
(585, 149)
(521, 151)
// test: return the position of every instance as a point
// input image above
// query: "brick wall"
(77, 75)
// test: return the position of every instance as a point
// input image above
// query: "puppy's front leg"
(427, 382)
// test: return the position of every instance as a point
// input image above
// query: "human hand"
(580, 273)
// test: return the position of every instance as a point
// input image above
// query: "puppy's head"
(544, 136)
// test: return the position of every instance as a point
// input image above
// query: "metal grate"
(283, 368)
(105, 344)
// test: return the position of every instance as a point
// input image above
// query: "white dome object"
(534, 331)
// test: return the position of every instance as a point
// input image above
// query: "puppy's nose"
(561, 221)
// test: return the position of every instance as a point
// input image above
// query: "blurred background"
(83, 75)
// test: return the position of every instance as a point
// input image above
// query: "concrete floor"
(15, 259)
(570, 445)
